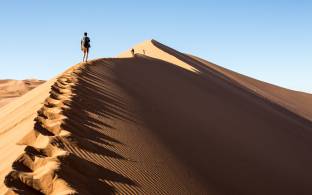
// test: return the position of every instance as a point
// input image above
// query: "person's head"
(85, 34)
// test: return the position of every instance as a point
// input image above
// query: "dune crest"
(149, 48)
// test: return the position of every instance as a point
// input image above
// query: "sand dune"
(159, 123)
(295, 101)
(11, 89)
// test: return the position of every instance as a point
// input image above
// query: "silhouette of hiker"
(85, 45)
(132, 51)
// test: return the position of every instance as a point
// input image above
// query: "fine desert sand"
(161, 122)
(11, 89)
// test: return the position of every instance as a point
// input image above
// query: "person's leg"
(84, 54)
(87, 55)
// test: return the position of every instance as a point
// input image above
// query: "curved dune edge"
(298, 103)
(36, 170)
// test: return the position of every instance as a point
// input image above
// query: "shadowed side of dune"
(295, 101)
(89, 142)
(236, 142)
(106, 138)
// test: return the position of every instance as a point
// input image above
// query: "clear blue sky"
(270, 40)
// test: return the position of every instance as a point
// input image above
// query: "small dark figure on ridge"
(85, 45)
(132, 51)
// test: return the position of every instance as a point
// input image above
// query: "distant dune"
(161, 122)
(11, 89)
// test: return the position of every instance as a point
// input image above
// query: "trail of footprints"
(35, 171)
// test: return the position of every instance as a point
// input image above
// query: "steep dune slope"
(298, 102)
(235, 143)
(142, 125)
(11, 89)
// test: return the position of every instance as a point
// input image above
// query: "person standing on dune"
(85, 45)
(132, 52)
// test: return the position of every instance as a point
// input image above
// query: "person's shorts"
(85, 49)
